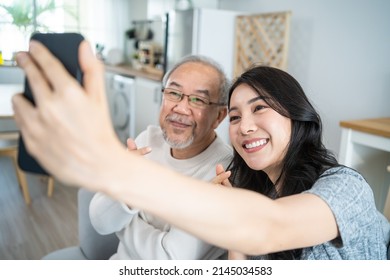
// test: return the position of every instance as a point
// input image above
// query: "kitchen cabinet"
(11, 75)
(147, 103)
(365, 146)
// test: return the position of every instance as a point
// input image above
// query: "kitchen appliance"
(202, 31)
(208, 32)
(121, 100)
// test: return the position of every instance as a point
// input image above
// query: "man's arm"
(108, 215)
(148, 237)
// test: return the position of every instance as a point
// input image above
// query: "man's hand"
(222, 176)
(132, 146)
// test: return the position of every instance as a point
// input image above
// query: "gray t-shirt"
(364, 232)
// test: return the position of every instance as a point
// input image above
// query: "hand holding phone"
(65, 47)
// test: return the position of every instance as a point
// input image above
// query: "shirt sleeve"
(164, 242)
(108, 215)
(350, 199)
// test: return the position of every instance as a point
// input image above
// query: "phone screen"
(65, 47)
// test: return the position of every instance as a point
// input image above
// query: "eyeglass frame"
(182, 94)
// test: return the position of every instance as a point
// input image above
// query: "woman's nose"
(247, 125)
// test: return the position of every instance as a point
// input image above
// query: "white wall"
(339, 52)
(105, 22)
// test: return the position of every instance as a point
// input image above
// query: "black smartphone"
(65, 47)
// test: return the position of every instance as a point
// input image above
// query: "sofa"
(92, 245)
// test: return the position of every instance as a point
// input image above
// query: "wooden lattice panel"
(261, 39)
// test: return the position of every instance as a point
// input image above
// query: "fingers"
(222, 176)
(226, 182)
(222, 179)
(93, 70)
(143, 151)
(52, 69)
(25, 113)
(132, 146)
(20, 105)
(233, 255)
(219, 169)
(40, 88)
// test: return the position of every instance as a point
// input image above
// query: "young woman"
(276, 134)
(293, 199)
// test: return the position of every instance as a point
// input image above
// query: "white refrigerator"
(207, 32)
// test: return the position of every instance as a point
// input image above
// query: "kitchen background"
(337, 50)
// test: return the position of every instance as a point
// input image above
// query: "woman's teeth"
(256, 144)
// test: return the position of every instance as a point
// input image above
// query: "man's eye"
(174, 94)
(198, 100)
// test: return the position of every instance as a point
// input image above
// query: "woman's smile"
(254, 145)
(258, 133)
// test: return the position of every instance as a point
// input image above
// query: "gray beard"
(178, 144)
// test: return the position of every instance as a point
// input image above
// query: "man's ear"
(222, 112)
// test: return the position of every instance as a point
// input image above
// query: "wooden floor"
(48, 224)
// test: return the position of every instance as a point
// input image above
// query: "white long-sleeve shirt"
(143, 236)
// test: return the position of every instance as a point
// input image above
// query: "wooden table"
(365, 146)
(379, 126)
(6, 93)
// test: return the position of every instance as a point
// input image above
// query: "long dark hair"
(306, 157)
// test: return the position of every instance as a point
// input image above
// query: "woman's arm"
(231, 218)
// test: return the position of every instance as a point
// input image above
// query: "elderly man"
(194, 104)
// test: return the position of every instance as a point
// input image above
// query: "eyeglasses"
(194, 100)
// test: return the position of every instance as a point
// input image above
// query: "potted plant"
(24, 17)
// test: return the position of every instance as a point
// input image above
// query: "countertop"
(122, 69)
(6, 93)
(128, 70)
(380, 126)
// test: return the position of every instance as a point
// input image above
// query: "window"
(20, 18)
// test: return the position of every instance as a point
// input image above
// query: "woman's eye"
(233, 118)
(259, 107)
